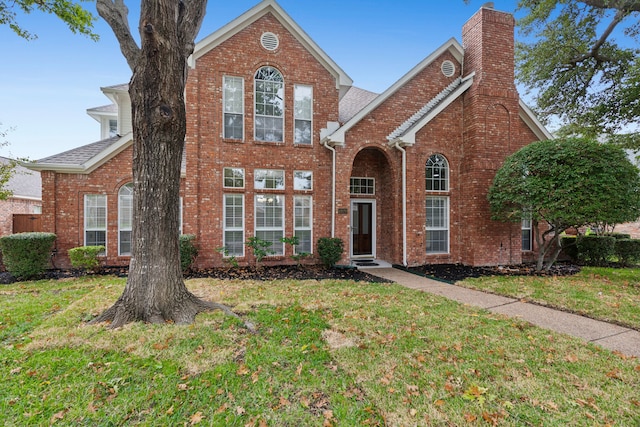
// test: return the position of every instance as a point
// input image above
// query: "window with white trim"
(233, 101)
(95, 220)
(269, 217)
(125, 219)
(527, 231)
(362, 186)
(303, 113)
(302, 180)
(269, 105)
(302, 223)
(113, 127)
(437, 224)
(233, 178)
(437, 173)
(233, 239)
(272, 179)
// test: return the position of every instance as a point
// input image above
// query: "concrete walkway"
(612, 337)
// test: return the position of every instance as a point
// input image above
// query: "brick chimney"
(491, 133)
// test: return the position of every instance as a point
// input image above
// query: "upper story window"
(302, 180)
(272, 179)
(269, 103)
(303, 112)
(233, 101)
(113, 127)
(437, 173)
(233, 178)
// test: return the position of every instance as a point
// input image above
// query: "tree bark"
(155, 291)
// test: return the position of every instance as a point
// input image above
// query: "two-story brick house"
(280, 143)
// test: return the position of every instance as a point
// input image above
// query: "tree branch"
(115, 13)
(620, 5)
(190, 16)
(594, 52)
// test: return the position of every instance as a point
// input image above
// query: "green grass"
(328, 354)
(612, 295)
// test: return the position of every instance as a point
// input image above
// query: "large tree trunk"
(155, 291)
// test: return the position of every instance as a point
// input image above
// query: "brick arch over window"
(269, 105)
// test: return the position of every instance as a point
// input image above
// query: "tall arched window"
(437, 173)
(269, 103)
(125, 218)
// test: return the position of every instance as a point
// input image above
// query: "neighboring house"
(26, 199)
(280, 143)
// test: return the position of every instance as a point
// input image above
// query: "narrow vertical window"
(527, 240)
(125, 219)
(233, 100)
(303, 112)
(437, 210)
(437, 173)
(95, 220)
(269, 217)
(234, 224)
(113, 127)
(269, 105)
(302, 226)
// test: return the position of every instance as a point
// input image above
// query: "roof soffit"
(261, 9)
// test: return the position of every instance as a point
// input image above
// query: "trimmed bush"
(595, 250)
(188, 251)
(26, 255)
(330, 250)
(569, 246)
(86, 257)
(628, 251)
(619, 236)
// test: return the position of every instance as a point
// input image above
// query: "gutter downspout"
(404, 202)
(333, 188)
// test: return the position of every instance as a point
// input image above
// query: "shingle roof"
(24, 182)
(111, 108)
(80, 155)
(353, 101)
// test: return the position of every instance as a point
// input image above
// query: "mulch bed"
(446, 272)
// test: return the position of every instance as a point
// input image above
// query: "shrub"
(330, 250)
(595, 250)
(188, 251)
(86, 257)
(229, 259)
(569, 246)
(628, 251)
(619, 236)
(26, 255)
(260, 248)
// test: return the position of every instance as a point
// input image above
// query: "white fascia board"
(530, 119)
(409, 137)
(115, 92)
(255, 13)
(452, 45)
(90, 165)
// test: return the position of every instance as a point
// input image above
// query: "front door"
(362, 228)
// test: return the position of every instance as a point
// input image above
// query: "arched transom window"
(437, 173)
(269, 103)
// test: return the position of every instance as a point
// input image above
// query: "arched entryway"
(373, 198)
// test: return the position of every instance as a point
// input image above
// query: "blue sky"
(46, 85)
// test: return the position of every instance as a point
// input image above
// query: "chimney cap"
(488, 5)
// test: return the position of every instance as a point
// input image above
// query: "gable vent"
(448, 69)
(269, 41)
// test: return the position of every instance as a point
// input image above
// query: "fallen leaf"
(470, 418)
(439, 402)
(572, 358)
(15, 370)
(240, 410)
(183, 387)
(196, 418)
(242, 370)
(222, 408)
(169, 411)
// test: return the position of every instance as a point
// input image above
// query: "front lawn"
(609, 294)
(329, 353)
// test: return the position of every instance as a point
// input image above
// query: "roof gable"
(337, 137)
(343, 81)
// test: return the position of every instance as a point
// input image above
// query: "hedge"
(628, 251)
(26, 255)
(188, 251)
(595, 250)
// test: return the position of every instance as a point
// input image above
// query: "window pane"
(302, 180)
(304, 241)
(269, 105)
(437, 173)
(302, 223)
(302, 132)
(269, 217)
(125, 242)
(234, 177)
(268, 178)
(362, 186)
(234, 224)
(437, 224)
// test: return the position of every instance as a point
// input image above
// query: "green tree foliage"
(581, 62)
(71, 13)
(565, 183)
